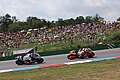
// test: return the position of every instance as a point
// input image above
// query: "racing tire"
(91, 55)
(71, 57)
(39, 60)
(82, 56)
(19, 62)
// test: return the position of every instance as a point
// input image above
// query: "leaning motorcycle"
(83, 55)
(20, 61)
(20, 57)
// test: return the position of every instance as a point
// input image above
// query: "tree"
(60, 22)
(14, 19)
(14, 27)
(98, 18)
(5, 21)
(118, 19)
(79, 20)
(48, 24)
(18, 26)
(89, 19)
(52, 24)
(34, 22)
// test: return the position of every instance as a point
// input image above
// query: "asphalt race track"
(60, 59)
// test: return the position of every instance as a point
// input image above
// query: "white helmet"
(33, 54)
(83, 49)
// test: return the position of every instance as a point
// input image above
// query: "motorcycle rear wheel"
(71, 57)
(19, 62)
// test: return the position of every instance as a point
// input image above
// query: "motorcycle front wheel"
(39, 60)
(91, 55)
(19, 62)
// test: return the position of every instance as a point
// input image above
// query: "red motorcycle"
(83, 54)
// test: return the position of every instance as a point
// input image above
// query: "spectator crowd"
(89, 32)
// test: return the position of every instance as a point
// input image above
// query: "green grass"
(59, 45)
(104, 70)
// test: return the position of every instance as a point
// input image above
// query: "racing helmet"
(89, 49)
(33, 54)
(83, 49)
(86, 49)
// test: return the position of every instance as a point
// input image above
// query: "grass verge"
(103, 70)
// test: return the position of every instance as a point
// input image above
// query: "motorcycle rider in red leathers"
(84, 52)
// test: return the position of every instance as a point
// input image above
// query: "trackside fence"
(58, 52)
